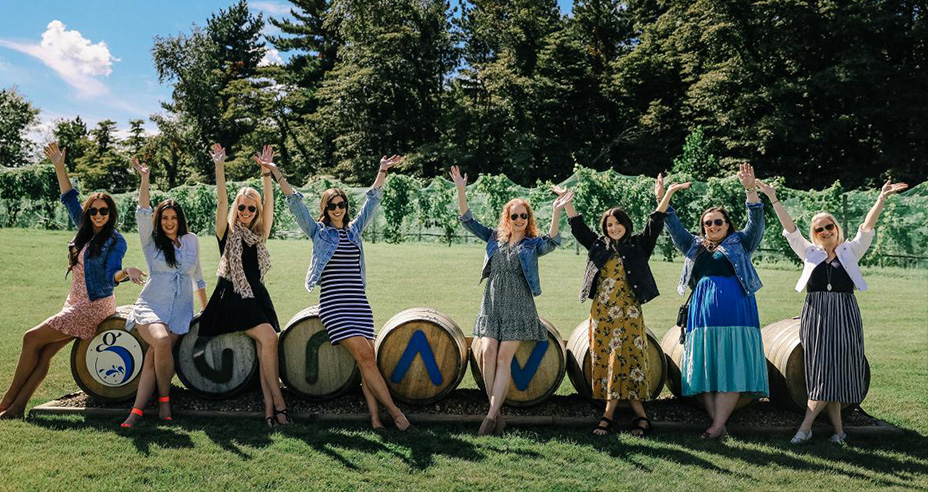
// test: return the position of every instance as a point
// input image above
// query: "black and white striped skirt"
(832, 336)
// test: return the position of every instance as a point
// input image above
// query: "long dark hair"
(85, 232)
(162, 242)
(721, 210)
(327, 196)
(622, 218)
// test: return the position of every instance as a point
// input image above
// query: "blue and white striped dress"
(343, 305)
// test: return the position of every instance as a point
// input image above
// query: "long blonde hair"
(824, 215)
(504, 229)
(257, 223)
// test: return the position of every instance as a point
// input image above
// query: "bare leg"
(34, 342)
(489, 347)
(38, 375)
(362, 350)
(813, 408)
(266, 339)
(161, 340)
(724, 405)
(708, 402)
(265, 390)
(507, 350)
(372, 405)
(146, 386)
(607, 414)
(834, 415)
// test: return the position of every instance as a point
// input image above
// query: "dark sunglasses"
(523, 215)
(251, 208)
(827, 227)
(332, 206)
(717, 222)
(92, 211)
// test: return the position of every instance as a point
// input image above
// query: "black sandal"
(638, 431)
(271, 422)
(285, 413)
(608, 428)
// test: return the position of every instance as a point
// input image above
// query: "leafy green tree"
(103, 166)
(697, 158)
(72, 135)
(17, 116)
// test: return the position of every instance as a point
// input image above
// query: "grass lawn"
(51, 453)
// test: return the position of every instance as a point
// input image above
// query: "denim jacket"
(325, 237)
(530, 249)
(98, 270)
(737, 247)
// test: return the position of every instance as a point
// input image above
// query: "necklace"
(828, 269)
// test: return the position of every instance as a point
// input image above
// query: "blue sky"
(92, 58)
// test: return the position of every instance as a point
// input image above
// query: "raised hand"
(889, 188)
(265, 159)
(558, 190)
(140, 168)
(659, 187)
(55, 154)
(677, 187)
(746, 176)
(387, 162)
(563, 200)
(218, 153)
(766, 189)
(459, 181)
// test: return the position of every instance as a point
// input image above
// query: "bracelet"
(775, 202)
(265, 174)
(383, 171)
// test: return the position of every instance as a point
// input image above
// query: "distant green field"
(71, 452)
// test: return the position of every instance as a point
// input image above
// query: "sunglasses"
(827, 227)
(332, 206)
(523, 215)
(717, 222)
(251, 208)
(92, 211)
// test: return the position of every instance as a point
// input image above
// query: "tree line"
(815, 91)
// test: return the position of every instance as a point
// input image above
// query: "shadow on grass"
(144, 436)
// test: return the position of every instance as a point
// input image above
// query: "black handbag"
(682, 316)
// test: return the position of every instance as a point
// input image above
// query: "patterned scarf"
(230, 265)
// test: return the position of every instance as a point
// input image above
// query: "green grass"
(71, 452)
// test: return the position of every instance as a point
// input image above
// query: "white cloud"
(271, 57)
(73, 57)
(273, 8)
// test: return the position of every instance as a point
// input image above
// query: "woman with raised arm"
(831, 329)
(618, 280)
(164, 308)
(240, 301)
(95, 262)
(507, 312)
(337, 266)
(723, 356)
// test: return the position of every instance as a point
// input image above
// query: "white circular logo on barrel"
(114, 358)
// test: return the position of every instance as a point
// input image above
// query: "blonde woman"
(831, 330)
(241, 302)
(507, 313)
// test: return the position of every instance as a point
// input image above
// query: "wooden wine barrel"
(673, 350)
(579, 367)
(786, 367)
(538, 368)
(310, 366)
(422, 355)
(215, 367)
(107, 366)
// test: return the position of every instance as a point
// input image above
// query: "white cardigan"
(849, 253)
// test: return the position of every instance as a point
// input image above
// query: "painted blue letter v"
(418, 344)
(523, 376)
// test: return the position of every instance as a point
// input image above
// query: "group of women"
(723, 357)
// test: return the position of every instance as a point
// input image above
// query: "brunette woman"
(164, 308)
(507, 313)
(831, 329)
(723, 355)
(241, 302)
(618, 280)
(337, 265)
(95, 263)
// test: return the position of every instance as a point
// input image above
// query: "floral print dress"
(618, 341)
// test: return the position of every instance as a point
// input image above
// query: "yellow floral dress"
(618, 342)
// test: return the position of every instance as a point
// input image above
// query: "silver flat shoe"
(801, 437)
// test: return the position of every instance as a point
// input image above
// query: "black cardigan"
(634, 252)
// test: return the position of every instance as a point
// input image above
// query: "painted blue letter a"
(418, 344)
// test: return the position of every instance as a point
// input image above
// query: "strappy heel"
(165, 399)
(285, 413)
(136, 411)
